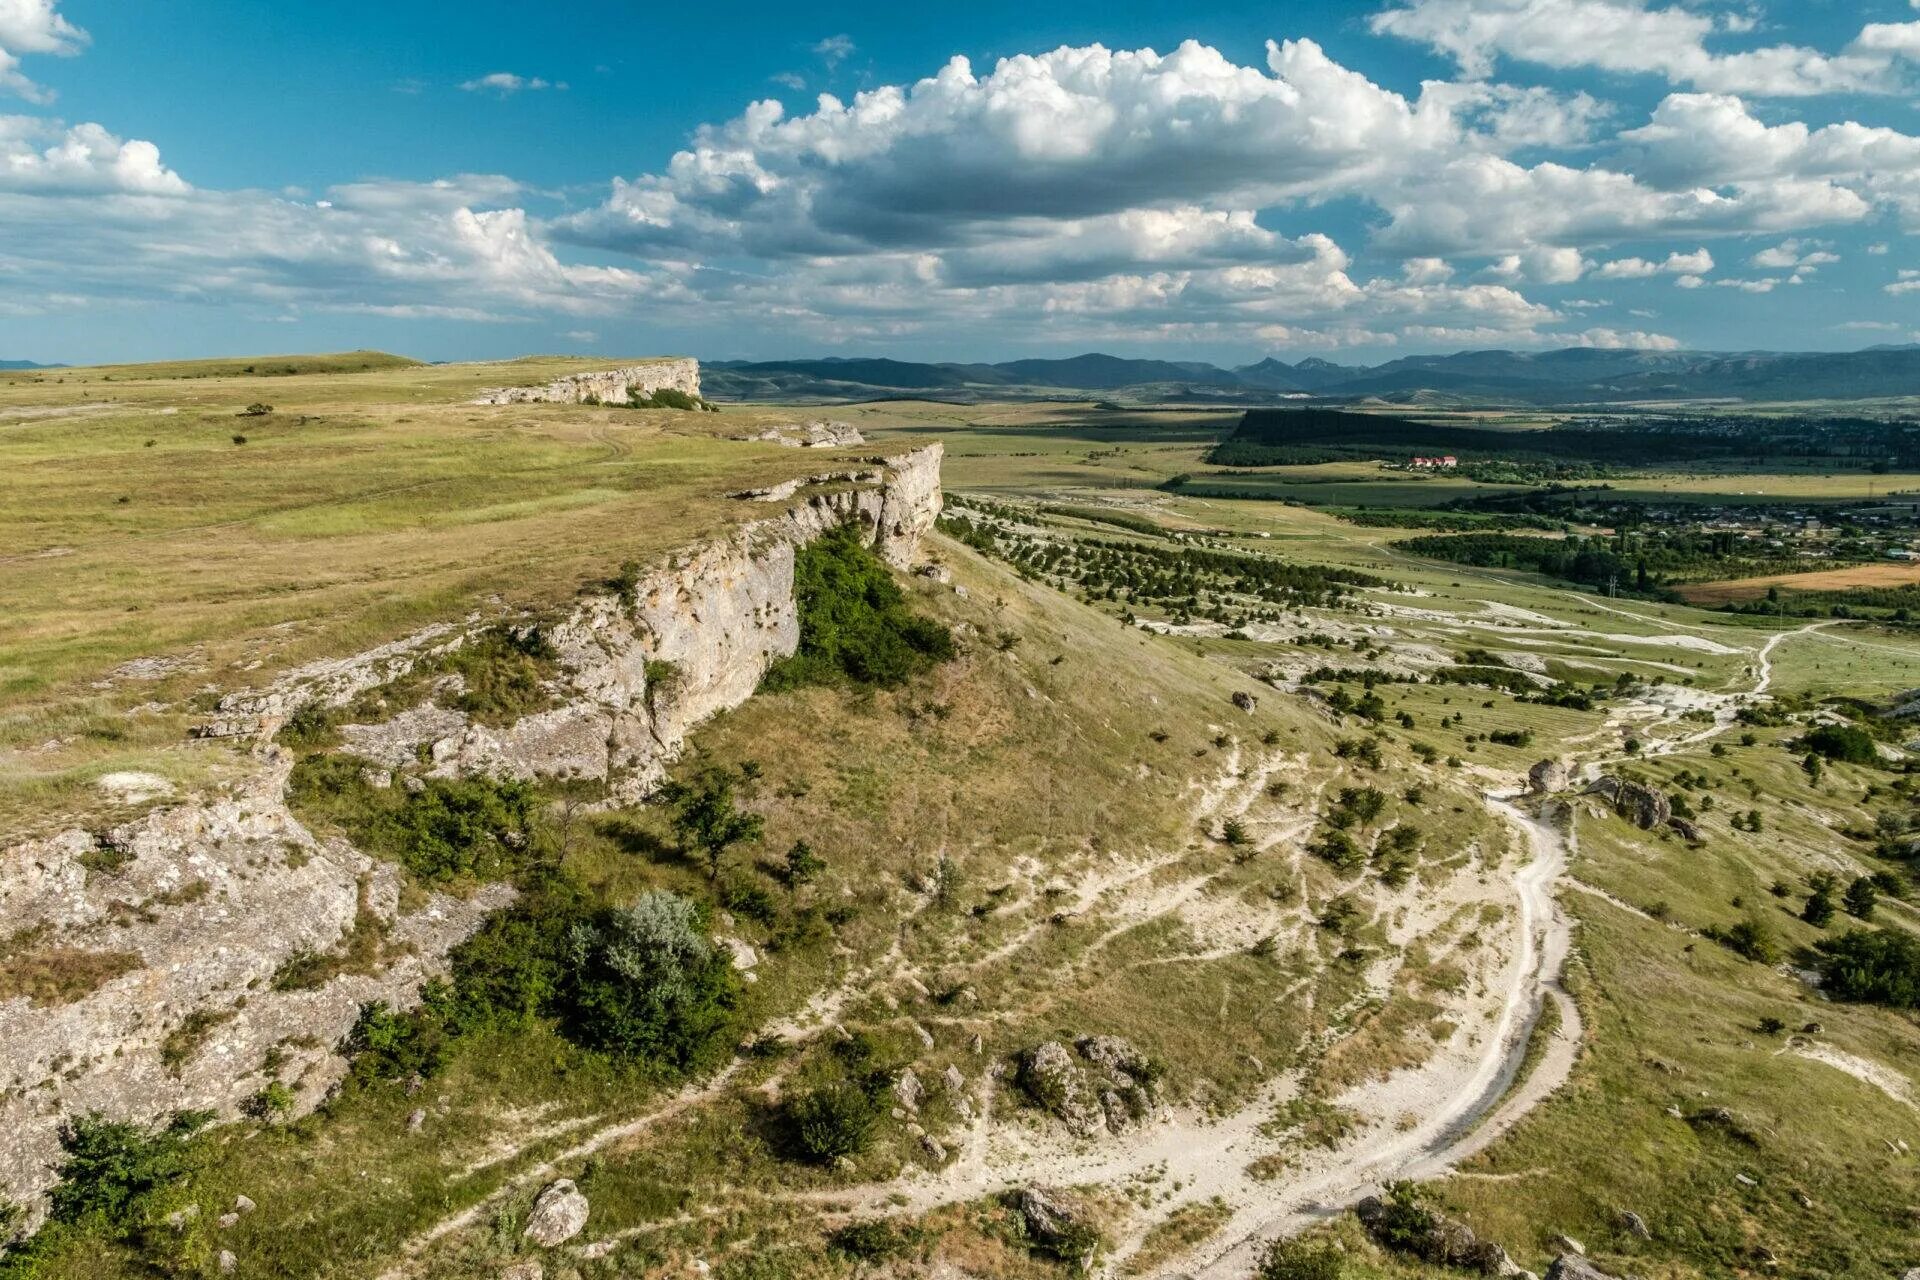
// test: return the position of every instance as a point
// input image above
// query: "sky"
(1216, 181)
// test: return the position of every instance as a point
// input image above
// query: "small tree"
(1819, 909)
(648, 982)
(707, 821)
(1861, 898)
(803, 865)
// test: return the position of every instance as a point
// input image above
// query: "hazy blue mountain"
(1572, 375)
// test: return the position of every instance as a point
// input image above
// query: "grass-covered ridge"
(365, 505)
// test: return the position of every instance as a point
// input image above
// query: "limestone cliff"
(610, 386)
(204, 902)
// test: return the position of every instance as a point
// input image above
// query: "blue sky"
(1354, 181)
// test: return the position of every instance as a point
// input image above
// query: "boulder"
(1547, 777)
(1687, 831)
(1056, 1220)
(1635, 1225)
(1054, 1080)
(1114, 1054)
(1646, 807)
(1571, 1266)
(908, 1089)
(1246, 702)
(558, 1214)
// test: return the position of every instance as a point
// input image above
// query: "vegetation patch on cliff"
(855, 624)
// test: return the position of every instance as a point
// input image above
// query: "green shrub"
(870, 1241)
(1862, 898)
(1301, 1260)
(647, 983)
(514, 969)
(666, 398)
(1841, 742)
(1405, 1224)
(308, 728)
(706, 819)
(385, 1045)
(745, 896)
(114, 1172)
(854, 621)
(479, 828)
(1875, 966)
(803, 865)
(832, 1121)
(270, 1103)
(1339, 849)
(1749, 937)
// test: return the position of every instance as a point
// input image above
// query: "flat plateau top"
(157, 540)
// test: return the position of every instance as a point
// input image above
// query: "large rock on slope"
(1646, 807)
(1571, 1266)
(559, 1214)
(1547, 777)
(1108, 1088)
(1435, 1238)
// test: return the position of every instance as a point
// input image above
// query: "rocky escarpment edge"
(212, 896)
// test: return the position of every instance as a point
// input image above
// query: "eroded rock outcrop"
(1646, 807)
(1059, 1222)
(210, 900)
(1571, 1266)
(1104, 1086)
(1433, 1237)
(815, 435)
(608, 386)
(1547, 777)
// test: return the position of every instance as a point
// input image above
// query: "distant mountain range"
(27, 364)
(1571, 376)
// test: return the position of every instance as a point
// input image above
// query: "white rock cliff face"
(214, 895)
(610, 386)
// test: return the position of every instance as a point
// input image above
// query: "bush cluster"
(854, 621)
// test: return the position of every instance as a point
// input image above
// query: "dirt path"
(1476, 1105)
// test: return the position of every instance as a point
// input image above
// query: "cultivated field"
(1892, 574)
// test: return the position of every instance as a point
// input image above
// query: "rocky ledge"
(188, 913)
(609, 386)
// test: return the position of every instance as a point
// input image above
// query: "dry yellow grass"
(146, 517)
(1884, 573)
